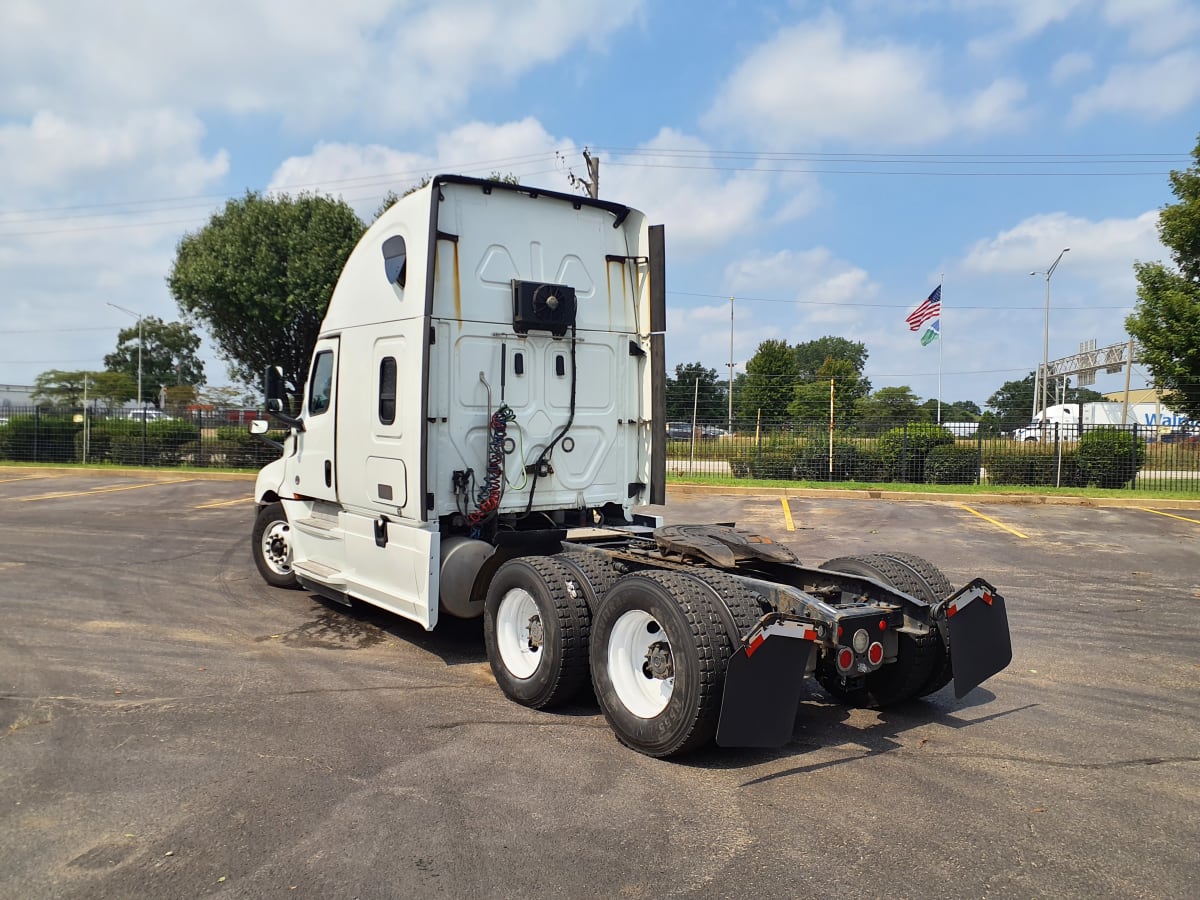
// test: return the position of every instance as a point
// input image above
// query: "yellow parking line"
(107, 490)
(787, 514)
(994, 522)
(1169, 515)
(218, 503)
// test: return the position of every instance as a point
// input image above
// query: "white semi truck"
(484, 415)
(1062, 421)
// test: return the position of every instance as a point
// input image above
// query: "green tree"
(1013, 403)
(811, 398)
(259, 276)
(111, 388)
(168, 357)
(59, 387)
(812, 357)
(681, 391)
(890, 406)
(956, 411)
(1166, 318)
(770, 382)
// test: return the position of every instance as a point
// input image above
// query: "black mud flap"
(980, 645)
(762, 693)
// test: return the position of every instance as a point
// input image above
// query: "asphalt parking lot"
(172, 727)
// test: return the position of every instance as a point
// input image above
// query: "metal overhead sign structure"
(1089, 360)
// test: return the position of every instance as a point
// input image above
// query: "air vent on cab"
(538, 306)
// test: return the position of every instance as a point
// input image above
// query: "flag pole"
(941, 340)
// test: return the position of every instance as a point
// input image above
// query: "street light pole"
(140, 345)
(729, 421)
(1046, 335)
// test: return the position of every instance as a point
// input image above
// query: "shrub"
(41, 438)
(161, 443)
(236, 448)
(1110, 457)
(952, 464)
(750, 462)
(904, 449)
(868, 465)
(1031, 467)
(811, 462)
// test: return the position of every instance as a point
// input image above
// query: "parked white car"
(149, 414)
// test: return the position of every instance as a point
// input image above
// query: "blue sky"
(825, 164)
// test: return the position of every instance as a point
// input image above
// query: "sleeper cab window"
(320, 385)
(387, 390)
(395, 260)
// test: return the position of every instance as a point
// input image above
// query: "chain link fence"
(133, 438)
(1135, 457)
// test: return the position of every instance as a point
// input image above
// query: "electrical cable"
(544, 456)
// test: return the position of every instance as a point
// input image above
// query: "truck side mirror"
(273, 387)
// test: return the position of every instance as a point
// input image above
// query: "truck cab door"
(316, 465)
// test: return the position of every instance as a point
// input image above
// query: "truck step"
(320, 572)
(320, 523)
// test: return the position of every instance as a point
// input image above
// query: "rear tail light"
(875, 653)
(845, 659)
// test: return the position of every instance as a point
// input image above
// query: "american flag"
(930, 308)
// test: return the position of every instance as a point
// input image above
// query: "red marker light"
(845, 659)
(875, 653)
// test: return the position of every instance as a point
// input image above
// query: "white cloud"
(701, 207)
(809, 83)
(1155, 89)
(1102, 252)
(395, 65)
(142, 155)
(1069, 66)
(997, 107)
(1025, 19)
(1154, 26)
(362, 174)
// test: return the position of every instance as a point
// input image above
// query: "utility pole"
(593, 166)
(729, 422)
(141, 343)
(592, 183)
(1045, 372)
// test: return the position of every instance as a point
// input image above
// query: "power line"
(902, 306)
(364, 186)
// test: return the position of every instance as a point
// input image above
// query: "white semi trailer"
(1063, 421)
(483, 417)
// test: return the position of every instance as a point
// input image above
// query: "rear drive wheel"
(917, 656)
(659, 655)
(595, 573)
(535, 626)
(939, 588)
(271, 544)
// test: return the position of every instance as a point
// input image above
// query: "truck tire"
(744, 605)
(271, 544)
(535, 626)
(595, 573)
(659, 655)
(939, 589)
(917, 656)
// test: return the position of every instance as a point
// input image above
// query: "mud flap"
(762, 693)
(980, 644)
